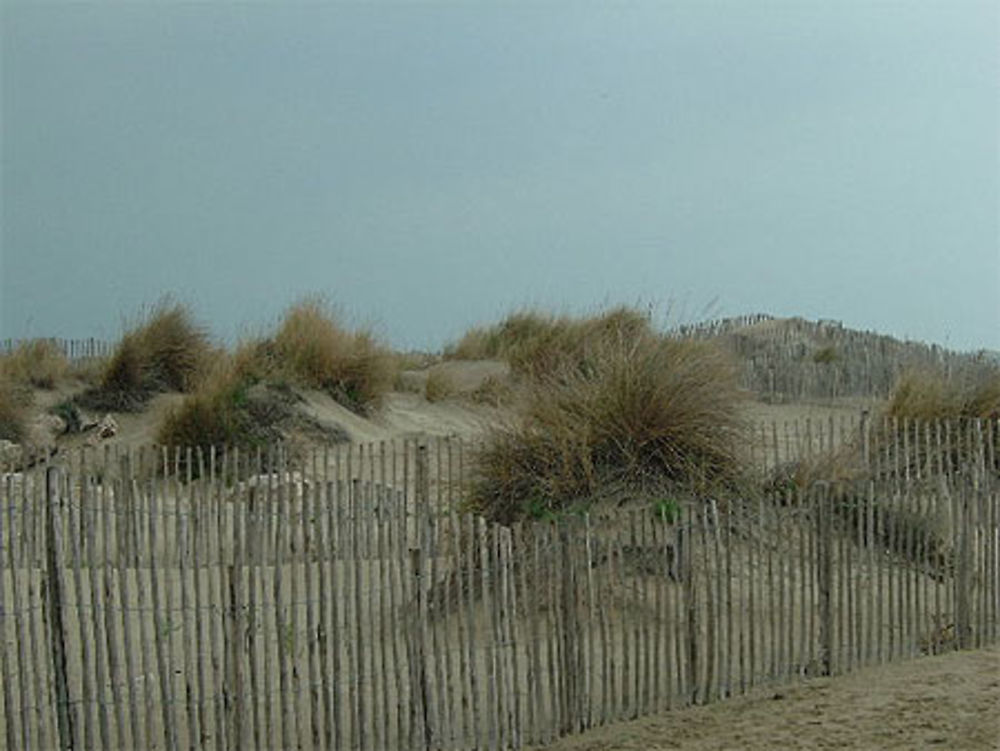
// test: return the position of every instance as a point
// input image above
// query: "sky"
(428, 166)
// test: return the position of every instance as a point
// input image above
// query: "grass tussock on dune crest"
(311, 348)
(538, 344)
(166, 351)
(247, 400)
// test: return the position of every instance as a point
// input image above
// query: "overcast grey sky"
(433, 165)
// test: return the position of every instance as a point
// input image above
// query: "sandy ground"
(951, 701)
(406, 413)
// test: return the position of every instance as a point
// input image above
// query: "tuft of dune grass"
(627, 409)
(311, 348)
(38, 362)
(439, 386)
(166, 351)
(15, 401)
(218, 414)
(923, 396)
(538, 344)
(246, 400)
(930, 395)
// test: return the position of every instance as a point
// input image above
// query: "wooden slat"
(277, 507)
(337, 577)
(104, 689)
(8, 617)
(161, 619)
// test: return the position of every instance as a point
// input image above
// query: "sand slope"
(951, 701)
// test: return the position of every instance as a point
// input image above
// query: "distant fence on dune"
(73, 349)
(190, 599)
(795, 359)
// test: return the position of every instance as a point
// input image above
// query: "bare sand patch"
(950, 701)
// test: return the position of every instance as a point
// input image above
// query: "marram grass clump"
(439, 386)
(39, 363)
(15, 401)
(166, 351)
(248, 400)
(931, 395)
(312, 349)
(935, 423)
(537, 344)
(225, 411)
(639, 411)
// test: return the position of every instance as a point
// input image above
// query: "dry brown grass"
(628, 409)
(37, 362)
(538, 344)
(247, 399)
(88, 370)
(236, 406)
(227, 410)
(312, 349)
(900, 441)
(493, 391)
(15, 401)
(439, 386)
(166, 351)
(929, 395)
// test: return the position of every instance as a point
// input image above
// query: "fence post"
(824, 542)
(55, 589)
(420, 690)
(423, 480)
(685, 540)
(570, 656)
(865, 447)
(963, 580)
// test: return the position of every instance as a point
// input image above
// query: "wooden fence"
(798, 360)
(192, 600)
(73, 349)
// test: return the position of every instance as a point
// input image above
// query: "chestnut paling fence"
(163, 599)
(73, 349)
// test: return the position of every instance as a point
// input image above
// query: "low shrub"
(826, 355)
(235, 408)
(220, 414)
(69, 413)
